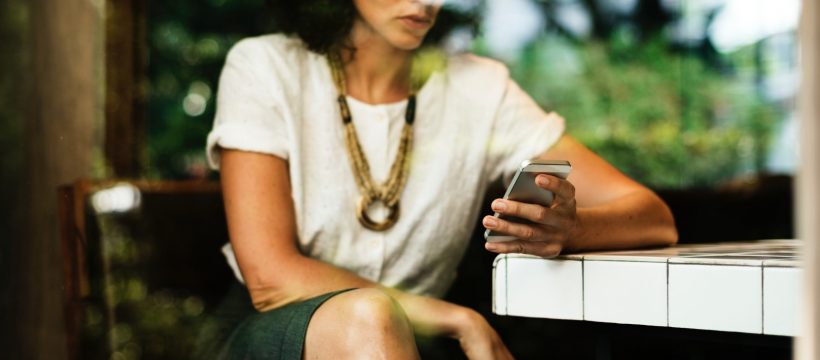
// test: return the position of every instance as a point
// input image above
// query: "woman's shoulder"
(270, 42)
(474, 75)
(471, 66)
(269, 50)
(276, 62)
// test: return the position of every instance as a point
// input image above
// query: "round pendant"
(366, 221)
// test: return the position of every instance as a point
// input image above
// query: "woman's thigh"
(361, 323)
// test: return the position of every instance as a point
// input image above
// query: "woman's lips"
(417, 22)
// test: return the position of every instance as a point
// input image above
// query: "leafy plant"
(661, 116)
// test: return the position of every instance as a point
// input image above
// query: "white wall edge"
(807, 195)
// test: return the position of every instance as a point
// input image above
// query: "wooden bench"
(141, 275)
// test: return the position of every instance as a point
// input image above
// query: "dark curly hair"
(322, 24)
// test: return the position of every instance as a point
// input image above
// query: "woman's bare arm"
(614, 211)
(599, 208)
(261, 223)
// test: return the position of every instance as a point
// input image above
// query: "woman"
(343, 167)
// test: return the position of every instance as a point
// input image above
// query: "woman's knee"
(371, 308)
(363, 323)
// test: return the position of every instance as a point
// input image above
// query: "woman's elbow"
(669, 235)
(666, 231)
(264, 299)
(269, 287)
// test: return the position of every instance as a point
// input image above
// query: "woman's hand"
(478, 339)
(551, 226)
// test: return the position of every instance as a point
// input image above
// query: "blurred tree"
(187, 44)
(15, 91)
(663, 117)
(668, 115)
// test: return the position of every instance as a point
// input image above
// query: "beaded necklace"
(389, 192)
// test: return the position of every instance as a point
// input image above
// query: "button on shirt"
(473, 125)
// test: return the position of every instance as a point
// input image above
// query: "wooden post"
(807, 193)
(71, 210)
(60, 137)
(125, 94)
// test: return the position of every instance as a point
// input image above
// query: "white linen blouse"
(473, 124)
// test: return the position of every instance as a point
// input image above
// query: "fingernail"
(542, 180)
(499, 205)
(490, 222)
(490, 246)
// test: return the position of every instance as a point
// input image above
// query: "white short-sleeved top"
(473, 124)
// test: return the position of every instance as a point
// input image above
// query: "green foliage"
(665, 118)
(14, 97)
(187, 44)
(15, 101)
(128, 312)
(662, 117)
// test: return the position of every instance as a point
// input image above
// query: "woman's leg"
(361, 323)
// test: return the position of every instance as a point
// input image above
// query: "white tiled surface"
(500, 286)
(781, 299)
(537, 288)
(708, 297)
(741, 286)
(625, 292)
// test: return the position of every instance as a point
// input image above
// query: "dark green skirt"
(235, 330)
(238, 331)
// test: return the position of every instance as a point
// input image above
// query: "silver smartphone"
(523, 189)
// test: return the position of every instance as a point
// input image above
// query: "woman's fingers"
(532, 212)
(537, 248)
(564, 190)
(521, 231)
(554, 218)
(529, 232)
(550, 226)
(481, 341)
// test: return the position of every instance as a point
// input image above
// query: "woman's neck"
(376, 72)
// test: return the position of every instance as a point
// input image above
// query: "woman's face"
(402, 23)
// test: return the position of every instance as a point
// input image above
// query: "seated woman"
(344, 165)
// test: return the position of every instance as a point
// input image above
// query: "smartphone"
(523, 189)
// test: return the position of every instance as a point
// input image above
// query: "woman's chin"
(407, 42)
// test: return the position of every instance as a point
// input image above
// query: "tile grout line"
(583, 291)
(667, 292)
(494, 290)
(762, 299)
(506, 286)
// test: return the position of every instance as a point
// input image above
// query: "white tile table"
(747, 287)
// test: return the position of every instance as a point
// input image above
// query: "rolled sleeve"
(245, 137)
(249, 107)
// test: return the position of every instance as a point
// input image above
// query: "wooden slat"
(162, 187)
(71, 264)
